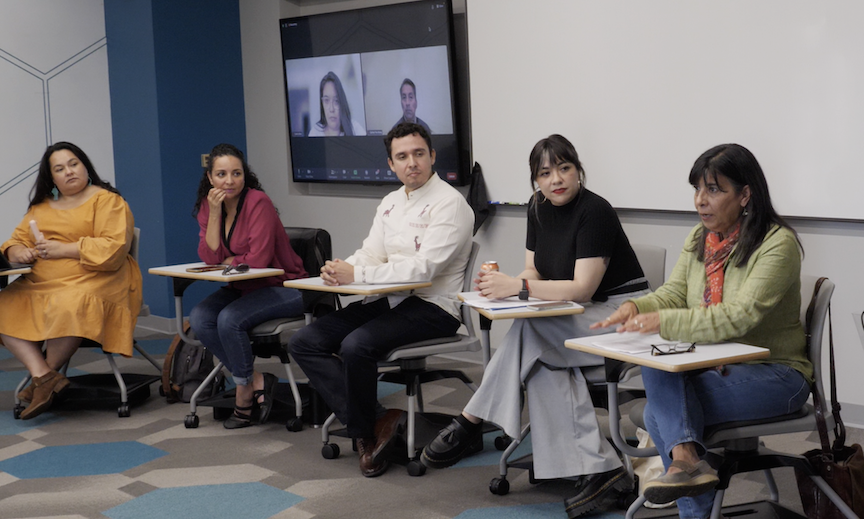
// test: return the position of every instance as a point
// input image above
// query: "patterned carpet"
(88, 463)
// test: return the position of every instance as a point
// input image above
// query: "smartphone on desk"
(205, 268)
(550, 305)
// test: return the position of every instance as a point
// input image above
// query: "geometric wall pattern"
(53, 87)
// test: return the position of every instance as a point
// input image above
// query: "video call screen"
(351, 76)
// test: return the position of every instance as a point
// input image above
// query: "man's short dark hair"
(407, 81)
(404, 130)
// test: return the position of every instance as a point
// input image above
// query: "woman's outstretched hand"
(628, 319)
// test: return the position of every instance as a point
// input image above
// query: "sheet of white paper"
(628, 342)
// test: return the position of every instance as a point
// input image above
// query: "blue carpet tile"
(240, 500)
(80, 460)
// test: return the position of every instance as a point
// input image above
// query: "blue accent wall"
(176, 79)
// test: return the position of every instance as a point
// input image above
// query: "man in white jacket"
(421, 232)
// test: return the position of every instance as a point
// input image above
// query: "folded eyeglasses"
(672, 348)
(235, 269)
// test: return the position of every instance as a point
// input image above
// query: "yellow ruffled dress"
(97, 297)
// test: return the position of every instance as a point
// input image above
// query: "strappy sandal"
(239, 419)
(269, 394)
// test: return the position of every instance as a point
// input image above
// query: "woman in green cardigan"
(737, 279)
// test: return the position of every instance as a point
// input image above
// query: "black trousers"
(340, 352)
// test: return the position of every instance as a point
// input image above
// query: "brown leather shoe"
(386, 428)
(26, 394)
(45, 388)
(368, 466)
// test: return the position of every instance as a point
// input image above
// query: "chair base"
(756, 510)
(100, 390)
(283, 410)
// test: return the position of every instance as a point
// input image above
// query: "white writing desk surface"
(359, 289)
(522, 312)
(4, 275)
(16, 271)
(705, 355)
(179, 271)
(182, 279)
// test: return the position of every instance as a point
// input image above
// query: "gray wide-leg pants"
(566, 437)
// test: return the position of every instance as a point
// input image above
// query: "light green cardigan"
(761, 301)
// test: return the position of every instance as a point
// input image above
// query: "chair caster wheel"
(295, 424)
(17, 410)
(123, 411)
(499, 486)
(330, 451)
(416, 468)
(502, 442)
(191, 421)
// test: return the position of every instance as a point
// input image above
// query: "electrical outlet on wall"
(204, 157)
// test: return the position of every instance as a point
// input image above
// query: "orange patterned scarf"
(716, 253)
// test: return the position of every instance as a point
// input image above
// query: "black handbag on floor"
(840, 465)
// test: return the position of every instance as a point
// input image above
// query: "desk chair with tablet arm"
(735, 447)
(270, 338)
(652, 259)
(412, 372)
(98, 383)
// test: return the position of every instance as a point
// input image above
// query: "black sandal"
(269, 394)
(238, 418)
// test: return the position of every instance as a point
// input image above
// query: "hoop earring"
(55, 193)
(89, 181)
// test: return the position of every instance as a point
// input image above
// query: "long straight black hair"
(739, 165)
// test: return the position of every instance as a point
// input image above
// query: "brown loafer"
(368, 466)
(386, 428)
(26, 394)
(45, 388)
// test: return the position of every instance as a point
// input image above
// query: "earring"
(745, 213)
(55, 193)
(89, 181)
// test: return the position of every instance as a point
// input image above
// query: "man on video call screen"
(408, 95)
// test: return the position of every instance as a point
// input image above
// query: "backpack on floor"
(185, 368)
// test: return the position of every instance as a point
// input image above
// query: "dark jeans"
(222, 322)
(340, 352)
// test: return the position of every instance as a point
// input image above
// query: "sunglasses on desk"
(235, 269)
(673, 348)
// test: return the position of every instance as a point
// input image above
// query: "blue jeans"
(222, 322)
(340, 352)
(681, 405)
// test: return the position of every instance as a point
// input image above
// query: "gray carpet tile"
(265, 471)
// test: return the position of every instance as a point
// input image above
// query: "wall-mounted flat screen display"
(351, 76)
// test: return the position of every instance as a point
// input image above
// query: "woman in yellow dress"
(83, 284)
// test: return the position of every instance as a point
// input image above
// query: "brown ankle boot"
(44, 390)
(26, 394)
(368, 466)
